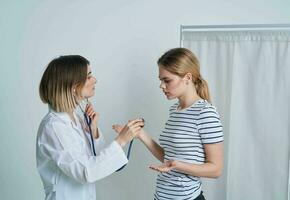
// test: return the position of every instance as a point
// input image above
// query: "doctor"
(65, 160)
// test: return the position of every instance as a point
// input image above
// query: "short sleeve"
(209, 125)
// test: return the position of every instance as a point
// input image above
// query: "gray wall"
(123, 40)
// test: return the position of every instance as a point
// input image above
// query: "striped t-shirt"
(182, 139)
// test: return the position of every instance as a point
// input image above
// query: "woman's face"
(89, 88)
(172, 85)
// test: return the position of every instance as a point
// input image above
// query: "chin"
(90, 95)
(170, 97)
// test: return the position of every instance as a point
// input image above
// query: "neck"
(188, 98)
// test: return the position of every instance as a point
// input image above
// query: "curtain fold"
(248, 78)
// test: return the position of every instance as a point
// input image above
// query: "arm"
(57, 144)
(152, 146)
(212, 168)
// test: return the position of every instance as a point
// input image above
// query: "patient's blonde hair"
(180, 61)
(62, 81)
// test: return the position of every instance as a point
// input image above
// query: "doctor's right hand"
(129, 131)
(94, 116)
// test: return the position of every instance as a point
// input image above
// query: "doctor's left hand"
(94, 116)
(118, 128)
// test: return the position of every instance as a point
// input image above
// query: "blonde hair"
(62, 81)
(180, 61)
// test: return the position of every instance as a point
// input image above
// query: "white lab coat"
(65, 161)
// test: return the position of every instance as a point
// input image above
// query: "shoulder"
(49, 125)
(173, 107)
(207, 110)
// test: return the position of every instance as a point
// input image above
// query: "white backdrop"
(123, 40)
(248, 77)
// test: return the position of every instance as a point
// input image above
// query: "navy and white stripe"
(182, 139)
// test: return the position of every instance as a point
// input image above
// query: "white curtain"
(248, 74)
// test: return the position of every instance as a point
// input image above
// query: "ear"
(188, 77)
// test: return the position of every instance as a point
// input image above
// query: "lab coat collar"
(63, 115)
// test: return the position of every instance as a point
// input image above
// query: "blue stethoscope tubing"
(89, 122)
(128, 155)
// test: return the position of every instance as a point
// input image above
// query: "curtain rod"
(183, 27)
(234, 27)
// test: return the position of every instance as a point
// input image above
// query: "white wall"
(123, 40)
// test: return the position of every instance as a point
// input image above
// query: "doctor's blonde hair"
(62, 81)
(180, 61)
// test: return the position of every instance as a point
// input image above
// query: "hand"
(118, 128)
(94, 116)
(129, 131)
(165, 167)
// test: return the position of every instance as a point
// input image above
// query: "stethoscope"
(88, 121)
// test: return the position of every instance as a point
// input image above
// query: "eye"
(167, 81)
(89, 77)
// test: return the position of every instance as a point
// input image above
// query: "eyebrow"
(162, 78)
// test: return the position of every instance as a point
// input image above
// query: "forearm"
(152, 146)
(208, 169)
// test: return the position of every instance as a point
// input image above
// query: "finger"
(137, 124)
(118, 128)
(154, 168)
(131, 122)
(115, 125)
(140, 124)
(161, 169)
(87, 107)
(114, 128)
(136, 130)
(91, 113)
(90, 109)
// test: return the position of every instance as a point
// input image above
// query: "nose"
(162, 85)
(95, 80)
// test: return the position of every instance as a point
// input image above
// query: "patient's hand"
(164, 167)
(118, 128)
